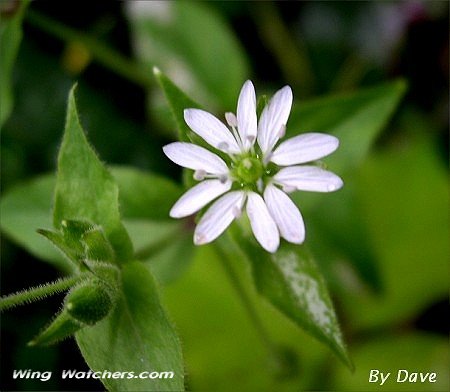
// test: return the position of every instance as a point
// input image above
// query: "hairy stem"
(37, 293)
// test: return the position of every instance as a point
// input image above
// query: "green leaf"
(69, 239)
(338, 224)
(27, 207)
(10, 37)
(172, 261)
(178, 101)
(212, 62)
(59, 241)
(63, 326)
(85, 189)
(136, 336)
(355, 118)
(291, 281)
(144, 195)
(403, 195)
(216, 357)
(159, 245)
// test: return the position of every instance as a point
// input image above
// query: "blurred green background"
(386, 262)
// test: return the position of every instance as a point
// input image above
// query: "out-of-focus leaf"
(355, 118)
(388, 354)
(10, 37)
(165, 246)
(338, 223)
(208, 61)
(84, 187)
(144, 195)
(237, 360)
(27, 207)
(136, 336)
(403, 194)
(291, 281)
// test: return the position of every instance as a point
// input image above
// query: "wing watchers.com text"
(99, 375)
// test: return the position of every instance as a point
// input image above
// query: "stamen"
(199, 175)
(223, 178)
(231, 119)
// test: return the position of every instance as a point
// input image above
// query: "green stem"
(350, 74)
(246, 302)
(38, 293)
(291, 54)
(102, 53)
(154, 248)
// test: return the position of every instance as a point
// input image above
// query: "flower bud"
(89, 303)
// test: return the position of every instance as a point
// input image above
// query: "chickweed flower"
(256, 173)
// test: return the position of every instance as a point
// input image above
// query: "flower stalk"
(40, 292)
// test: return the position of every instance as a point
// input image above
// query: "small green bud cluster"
(85, 305)
(93, 298)
(81, 241)
(89, 303)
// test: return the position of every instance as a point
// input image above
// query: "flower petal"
(263, 225)
(273, 118)
(304, 148)
(218, 217)
(246, 115)
(198, 197)
(195, 157)
(308, 178)
(212, 130)
(285, 214)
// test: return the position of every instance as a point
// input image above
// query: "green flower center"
(248, 170)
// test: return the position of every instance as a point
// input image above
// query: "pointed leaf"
(211, 63)
(85, 189)
(291, 281)
(356, 119)
(136, 336)
(178, 101)
(58, 240)
(63, 326)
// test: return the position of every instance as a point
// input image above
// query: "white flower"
(256, 177)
